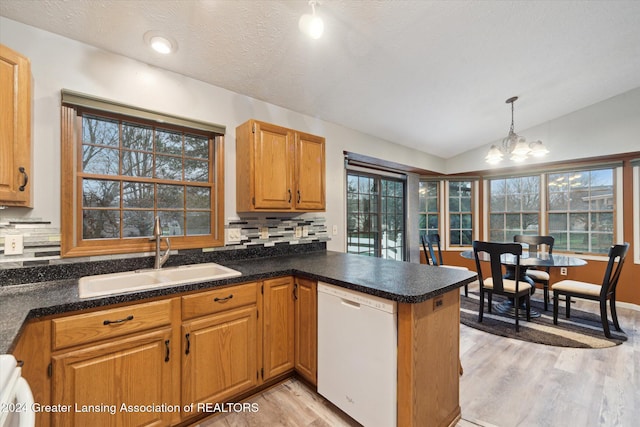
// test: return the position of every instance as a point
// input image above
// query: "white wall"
(58, 62)
(608, 127)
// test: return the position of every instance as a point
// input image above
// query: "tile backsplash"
(42, 240)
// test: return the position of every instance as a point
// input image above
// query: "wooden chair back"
(495, 251)
(535, 241)
(428, 242)
(617, 255)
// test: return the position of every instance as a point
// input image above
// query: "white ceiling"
(431, 75)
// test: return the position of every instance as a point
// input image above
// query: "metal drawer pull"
(126, 319)
(26, 178)
(166, 344)
(223, 299)
(188, 343)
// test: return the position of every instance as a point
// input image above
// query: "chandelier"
(514, 145)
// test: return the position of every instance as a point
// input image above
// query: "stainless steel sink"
(133, 281)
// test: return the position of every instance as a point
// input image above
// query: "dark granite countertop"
(398, 281)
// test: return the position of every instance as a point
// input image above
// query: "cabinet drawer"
(218, 300)
(105, 324)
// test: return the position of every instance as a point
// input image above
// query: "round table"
(527, 259)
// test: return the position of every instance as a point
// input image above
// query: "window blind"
(77, 99)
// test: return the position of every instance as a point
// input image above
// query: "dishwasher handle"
(350, 303)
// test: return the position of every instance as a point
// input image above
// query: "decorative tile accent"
(42, 241)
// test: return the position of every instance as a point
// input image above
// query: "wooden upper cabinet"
(310, 173)
(15, 129)
(278, 169)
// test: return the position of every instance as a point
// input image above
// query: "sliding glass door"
(375, 215)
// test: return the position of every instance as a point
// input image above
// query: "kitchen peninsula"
(428, 318)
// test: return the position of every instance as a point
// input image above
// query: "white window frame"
(636, 214)
(444, 220)
(619, 211)
(440, 207)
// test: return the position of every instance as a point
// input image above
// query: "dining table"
(527, 260)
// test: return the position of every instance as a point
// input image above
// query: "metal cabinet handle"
(188, 343)
(289, 190)
(26, 178)
(298, 197)
(126, 319)
(223, 299)
(295, 291)
(166, 344)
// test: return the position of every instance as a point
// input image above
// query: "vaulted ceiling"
(432, 75)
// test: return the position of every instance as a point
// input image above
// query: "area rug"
(582, 330)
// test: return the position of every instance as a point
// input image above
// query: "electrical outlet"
(234, 235)
(13, 244)
(335, 230)
(264, 233)
(298, 232)
(305, 231)
(563, 271)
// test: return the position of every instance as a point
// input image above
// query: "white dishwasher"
(16, 400)
(358, 353)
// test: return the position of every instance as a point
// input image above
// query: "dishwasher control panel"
(358, 297)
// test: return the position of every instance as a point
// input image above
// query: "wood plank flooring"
(506, 383)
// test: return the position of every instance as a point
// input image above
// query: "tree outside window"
(375, 215)
(514, 207)
(581, 210)
(460, 213)
(428, 215)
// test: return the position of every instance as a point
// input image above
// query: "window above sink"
(126, 165)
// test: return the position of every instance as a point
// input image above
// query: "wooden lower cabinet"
(35, 355)
(209, 347)
(428, 370)
(113, 384)
(306, 328)
(219, 357)
(278, 338)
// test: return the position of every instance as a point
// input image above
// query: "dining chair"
(428, 243)
(496, 284)
(540, 275)
(602, 293)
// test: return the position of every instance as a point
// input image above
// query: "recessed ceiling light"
(160, 43)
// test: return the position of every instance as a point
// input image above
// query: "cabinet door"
(306, 328)
(219, 356)
(94, 382)
(273, 167)
(310, 172)
(278, 338)
(15, 128)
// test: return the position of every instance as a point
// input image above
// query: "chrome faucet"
(157, 236)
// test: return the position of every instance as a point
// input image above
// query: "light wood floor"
(506, 383)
